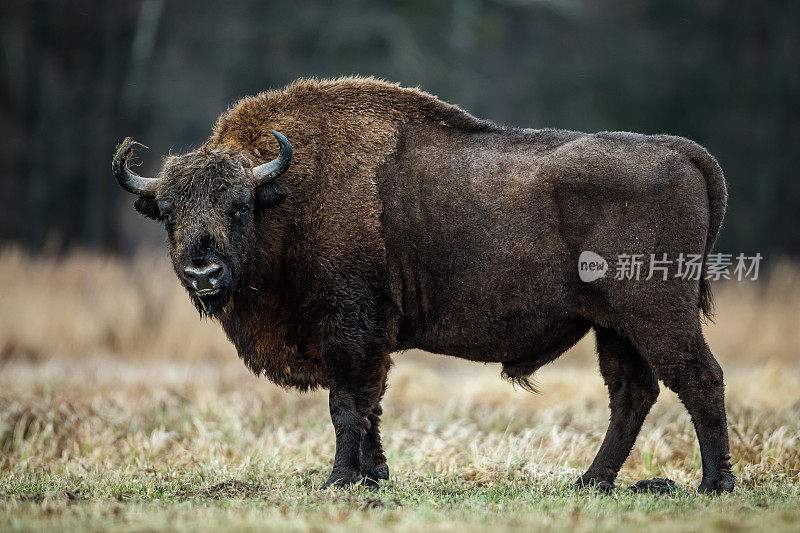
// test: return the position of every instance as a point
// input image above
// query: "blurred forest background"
(76, 77)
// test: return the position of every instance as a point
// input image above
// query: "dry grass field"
(121, 410)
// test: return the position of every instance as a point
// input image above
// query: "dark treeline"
(76, 77)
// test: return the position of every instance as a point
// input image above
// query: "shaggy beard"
(211, 306)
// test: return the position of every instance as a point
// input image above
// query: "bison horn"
(263, 174)
(128, 180)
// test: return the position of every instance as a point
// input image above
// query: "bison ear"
(271, 195)
(148, 207)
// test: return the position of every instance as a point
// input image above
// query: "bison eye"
(166, 210)
(242, 211)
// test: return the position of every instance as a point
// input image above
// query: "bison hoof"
(722, 482)
(346, 478)
(377, 472)
(588, 482)
(658, 485)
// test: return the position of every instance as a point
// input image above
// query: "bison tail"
(717, 200)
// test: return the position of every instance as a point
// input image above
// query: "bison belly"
(483, 243)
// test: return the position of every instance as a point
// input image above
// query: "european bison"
(394, 220)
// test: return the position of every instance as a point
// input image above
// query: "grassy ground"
(120, 410)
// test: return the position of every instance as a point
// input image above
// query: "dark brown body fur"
(411, 224)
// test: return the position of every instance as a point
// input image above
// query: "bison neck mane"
(259, 326)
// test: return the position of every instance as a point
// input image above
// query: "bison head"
(212, 202)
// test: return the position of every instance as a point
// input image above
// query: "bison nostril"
(204, 277)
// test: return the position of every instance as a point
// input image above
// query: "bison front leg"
(373, 461)
(356, 381)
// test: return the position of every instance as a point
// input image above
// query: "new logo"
(591, 266)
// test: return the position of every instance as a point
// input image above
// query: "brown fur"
(411, 224)
(341, 131)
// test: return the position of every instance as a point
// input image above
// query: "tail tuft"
(706, 299)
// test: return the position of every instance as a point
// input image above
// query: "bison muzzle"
(386, 219)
